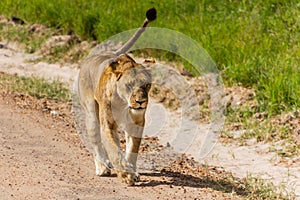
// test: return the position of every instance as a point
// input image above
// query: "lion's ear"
(149, 61)
(114, 65)
(149, 64)
(112, 69)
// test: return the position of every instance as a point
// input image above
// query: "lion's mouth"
(139, 108)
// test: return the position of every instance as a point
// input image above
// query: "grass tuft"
(35, 87)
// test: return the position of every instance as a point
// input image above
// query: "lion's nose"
(140, 101)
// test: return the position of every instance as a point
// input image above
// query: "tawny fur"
(114, 93)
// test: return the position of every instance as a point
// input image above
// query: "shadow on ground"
(227, 184)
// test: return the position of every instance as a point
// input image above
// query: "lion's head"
(134, 86)
(133, 82)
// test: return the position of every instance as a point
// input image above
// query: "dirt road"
(42, 158)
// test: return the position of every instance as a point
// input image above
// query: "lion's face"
(133, 87)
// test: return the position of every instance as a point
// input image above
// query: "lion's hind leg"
(101, 160)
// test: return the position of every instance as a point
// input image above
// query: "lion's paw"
(128, 178)
(102, 170)
(137, 177)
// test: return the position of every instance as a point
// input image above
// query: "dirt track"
(42, 158)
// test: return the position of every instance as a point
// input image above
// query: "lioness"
(113, 89)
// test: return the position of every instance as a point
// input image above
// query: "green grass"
(254, 43)
(21, 34)
(257, 188)
(35, 87)
(262, 128)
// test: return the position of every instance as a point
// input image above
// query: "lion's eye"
(148, 86)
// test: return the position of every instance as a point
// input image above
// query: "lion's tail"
(150, 16)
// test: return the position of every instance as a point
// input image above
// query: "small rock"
(54, 112)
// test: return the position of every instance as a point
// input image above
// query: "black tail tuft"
(151, 14)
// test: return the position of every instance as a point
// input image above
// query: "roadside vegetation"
(254, 43)
(35, 87)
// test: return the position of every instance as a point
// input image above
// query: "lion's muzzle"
(139, 100)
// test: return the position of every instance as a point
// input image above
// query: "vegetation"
(36, 87)
(257, 188)
(254, 43)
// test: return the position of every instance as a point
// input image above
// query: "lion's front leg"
(111, 143)
(132, 148)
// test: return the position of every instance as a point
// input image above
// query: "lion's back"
(90, 72)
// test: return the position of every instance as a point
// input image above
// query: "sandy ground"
(41, 157)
